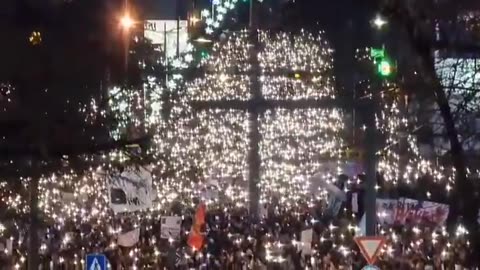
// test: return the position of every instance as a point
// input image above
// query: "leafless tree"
(417, 21)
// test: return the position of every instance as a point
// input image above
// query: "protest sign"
(406, 210)
(386, 209)
(170, 227)
(129, 239)
(414, 211)
(131, 190)
(306, 242)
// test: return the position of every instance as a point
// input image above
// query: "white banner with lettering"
(405, 210)
(131, 190)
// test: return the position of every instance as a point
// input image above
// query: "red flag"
(196, 238)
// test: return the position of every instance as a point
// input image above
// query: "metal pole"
(254, 155)
(252, 15)
(254, 165)
(178, 28)
(371, 170)
(33, 244)
(126, 39)
(165, 53)
(178, 36)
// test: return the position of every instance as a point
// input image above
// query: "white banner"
(6, 246)
(159, 31)
(393, 211)
(210, 194)
(129, 239)
(131, 190)
(68, 197)
(355, 202)
(332, 190)
(306, 242)
(263, 211)
(415, 211)
(336, 196)
(386, 209)
(170, 227)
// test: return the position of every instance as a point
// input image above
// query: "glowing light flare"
(127, 22)
(379, 22)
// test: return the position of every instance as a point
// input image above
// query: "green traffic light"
(377, 53)
(204, 54)
(385, 68)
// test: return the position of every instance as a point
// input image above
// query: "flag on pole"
(196, 237)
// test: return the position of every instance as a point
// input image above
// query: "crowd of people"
(232, 240)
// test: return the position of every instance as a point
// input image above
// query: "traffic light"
(385, 67)
(204, 54)
(377, 53)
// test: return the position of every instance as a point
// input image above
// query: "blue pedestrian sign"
(96, 262)
(370, 267)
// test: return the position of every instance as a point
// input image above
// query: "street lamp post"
(370, 169)
(126, 24)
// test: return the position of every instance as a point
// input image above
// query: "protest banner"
(306, 242)
(129, 239)
(170, 227)
(406, 210)
(415, 212)
(336, 196)
(130, 190)
(386, 209)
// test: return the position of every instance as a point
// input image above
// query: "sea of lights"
(195, 149)
(295, 145)
(290, 72)
(294, 141)
(205, 148)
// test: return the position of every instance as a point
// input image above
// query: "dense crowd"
(233, 240)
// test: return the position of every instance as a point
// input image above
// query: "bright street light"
(126, 22)
(203, 40)
(379, 21)
(194, 20)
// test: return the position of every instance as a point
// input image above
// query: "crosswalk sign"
(96, 262)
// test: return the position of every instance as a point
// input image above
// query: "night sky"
(163, 9)
(71, 28)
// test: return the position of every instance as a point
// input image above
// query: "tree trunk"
(463, 202)
(412, 17)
